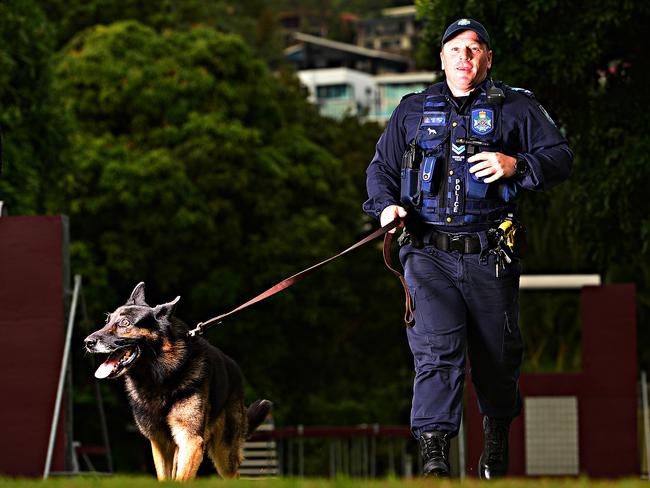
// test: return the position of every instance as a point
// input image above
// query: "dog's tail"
(256, 413)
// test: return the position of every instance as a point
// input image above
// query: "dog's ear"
(137, 295)
(165, 310)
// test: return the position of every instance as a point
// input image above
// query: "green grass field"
(150, 482)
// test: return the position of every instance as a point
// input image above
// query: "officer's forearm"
(382, 183)
(382, 192)
(548, 168)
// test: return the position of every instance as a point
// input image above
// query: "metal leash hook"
(198, 330)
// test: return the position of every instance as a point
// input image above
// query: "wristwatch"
(521, 166)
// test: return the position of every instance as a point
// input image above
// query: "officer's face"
(466, 61)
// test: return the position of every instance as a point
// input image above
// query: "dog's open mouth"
(118, 362)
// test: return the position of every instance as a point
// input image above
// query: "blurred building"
(340, 92)
(392, 87)
(348, 80)
(317, 23)
(366, 79)
(396, 31)
(313, 52)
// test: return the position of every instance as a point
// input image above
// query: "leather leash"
(408, 304)
(286, 283)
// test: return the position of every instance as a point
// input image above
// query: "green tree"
(253, 20)
(199, 171)
(33, 130)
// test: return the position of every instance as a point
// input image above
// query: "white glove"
(391, 213)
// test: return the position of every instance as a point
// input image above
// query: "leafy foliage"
(29, 120)
(199, 172)
(253, 20)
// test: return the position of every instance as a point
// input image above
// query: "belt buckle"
(456, 242)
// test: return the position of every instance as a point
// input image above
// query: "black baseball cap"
(463, 25)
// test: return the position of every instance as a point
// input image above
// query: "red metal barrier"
(32, 268)
(605, 391)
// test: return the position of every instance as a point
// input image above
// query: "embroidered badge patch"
(482, 120)
(458, 149)
(435, 118)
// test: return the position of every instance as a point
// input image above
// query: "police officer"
(450, 164)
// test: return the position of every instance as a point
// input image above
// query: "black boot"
(434, 446)
(494, 458)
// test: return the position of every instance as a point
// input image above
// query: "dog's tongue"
(107, 367)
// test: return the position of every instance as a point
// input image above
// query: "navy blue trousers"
(460, 304)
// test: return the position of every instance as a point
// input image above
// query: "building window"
(328, 92)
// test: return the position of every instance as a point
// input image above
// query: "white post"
(64, 367)
(646, 423)
(461, 450)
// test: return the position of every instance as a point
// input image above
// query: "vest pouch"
(427, 175)
(507, 191)
(410, 194)
(432, 137)
(410, 183)
(485, 123)
(476, 189)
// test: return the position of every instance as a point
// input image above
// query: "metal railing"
(364, 451)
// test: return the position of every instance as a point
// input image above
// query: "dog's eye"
(125, 323)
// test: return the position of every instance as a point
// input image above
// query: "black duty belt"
(445, 241)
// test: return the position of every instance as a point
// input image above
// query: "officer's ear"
(442, 61)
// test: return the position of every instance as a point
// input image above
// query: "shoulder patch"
(548, 117)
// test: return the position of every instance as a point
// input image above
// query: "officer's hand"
(391, 213)
(494, 165)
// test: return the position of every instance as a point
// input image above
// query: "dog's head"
(128, 330)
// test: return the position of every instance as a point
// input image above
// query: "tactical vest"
(436, 181)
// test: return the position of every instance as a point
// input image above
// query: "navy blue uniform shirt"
(527, 131)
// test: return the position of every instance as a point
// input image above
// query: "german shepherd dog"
(186, 395)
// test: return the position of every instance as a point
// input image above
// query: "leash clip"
(198, 330)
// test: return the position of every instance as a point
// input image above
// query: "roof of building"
(342, 46)
(406, 10)
(410, 77)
